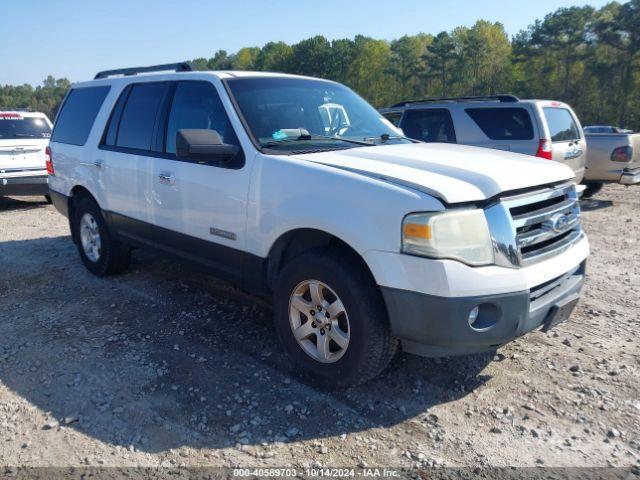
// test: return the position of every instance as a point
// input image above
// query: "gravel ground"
(163, 366)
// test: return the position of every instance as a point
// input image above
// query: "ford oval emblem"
(559, 222)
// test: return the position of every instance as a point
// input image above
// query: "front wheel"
(331, 319)
(100, 253)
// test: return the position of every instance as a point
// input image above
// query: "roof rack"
(16, 109)
(500, 98)
(176, 67)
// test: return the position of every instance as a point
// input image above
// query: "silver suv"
(544, 128)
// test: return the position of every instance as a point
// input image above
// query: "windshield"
(298, 114)
(16, 126)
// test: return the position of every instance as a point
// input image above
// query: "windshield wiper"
(310, 137)
(385, 137)
(24, 135)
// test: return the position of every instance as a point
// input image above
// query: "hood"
(453, 173)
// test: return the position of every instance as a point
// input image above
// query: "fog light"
(473, 315)
(483, 317)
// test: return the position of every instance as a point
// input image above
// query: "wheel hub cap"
(90, 237)
(319, 321)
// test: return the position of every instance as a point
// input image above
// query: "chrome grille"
(544, 223)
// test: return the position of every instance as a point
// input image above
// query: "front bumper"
(24, 185)
(435, 326)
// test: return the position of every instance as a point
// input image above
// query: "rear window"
(503, 123)
(14, 125)
(429, 125)
(562, 126)
(77, 115)
(139, 115)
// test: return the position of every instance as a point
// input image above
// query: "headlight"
(460, 235)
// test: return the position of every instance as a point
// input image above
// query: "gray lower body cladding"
(435, 326)
(24, 186)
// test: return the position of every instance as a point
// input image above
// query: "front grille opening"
(529, 228)
(532, 207)
(546, 243)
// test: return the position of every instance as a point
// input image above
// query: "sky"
(77, 38)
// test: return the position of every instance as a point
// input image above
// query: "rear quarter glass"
(77, 115)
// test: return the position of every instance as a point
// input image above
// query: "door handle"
(166, 178)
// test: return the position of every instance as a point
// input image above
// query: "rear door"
(127, 149)
(503, 127)
(567, 141)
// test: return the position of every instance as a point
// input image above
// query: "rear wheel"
(592, 189)
(331, 319)
(100, 253)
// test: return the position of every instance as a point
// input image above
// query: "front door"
(201, 207)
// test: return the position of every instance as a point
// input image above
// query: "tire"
(370, 345)
(107, 256)
(592, 189)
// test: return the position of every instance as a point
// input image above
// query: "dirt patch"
(163, 366)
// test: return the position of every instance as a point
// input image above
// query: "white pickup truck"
(24, 136)
(296, 189)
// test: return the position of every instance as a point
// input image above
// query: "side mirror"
(203, 145)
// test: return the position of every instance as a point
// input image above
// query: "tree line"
(587, 57)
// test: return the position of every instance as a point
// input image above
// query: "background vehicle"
(362, 238)
(605, 129)
(24, 137)
(544, 128)
(611, 158)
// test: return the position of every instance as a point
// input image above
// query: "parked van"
(24, 136)
(544, 128)
(364, 240)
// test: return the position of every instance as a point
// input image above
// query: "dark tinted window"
(562, 127)
(393, 117)
(78, 113)
(112, 128)
(503, 123)
(429, 125)
(139, 115)
(197, 105)
(14, 125)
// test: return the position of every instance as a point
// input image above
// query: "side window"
(429, 125)
(562, 127)
(77, 115)
(503, 123)
(197, 105)
(139, 115)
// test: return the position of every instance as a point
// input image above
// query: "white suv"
(24, 137)
(296, 188)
